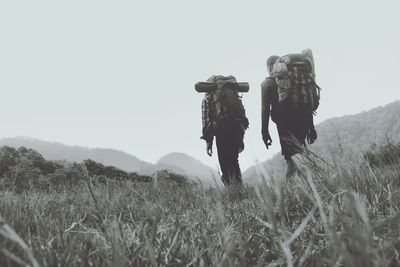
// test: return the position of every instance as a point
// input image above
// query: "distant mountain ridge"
(60, 151)
(348, 136)
(179, 163)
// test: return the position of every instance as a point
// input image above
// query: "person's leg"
(288, 146)
(235, 174)
(232, 162)
(222, 149)
(291, 167)
(299, 127)
(238, 135)
(302, 122)
(292, 128)
(229, 140)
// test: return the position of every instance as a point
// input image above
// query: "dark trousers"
(229, 139)
(293, 124)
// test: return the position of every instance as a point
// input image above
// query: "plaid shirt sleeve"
(207, 118)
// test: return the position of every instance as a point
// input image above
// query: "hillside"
(69, 214)
(59, 151)
(24, 169)
(183, 164)
(348, 136)
(179, 163)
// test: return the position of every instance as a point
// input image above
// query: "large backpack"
(226, 101)
(295, 77)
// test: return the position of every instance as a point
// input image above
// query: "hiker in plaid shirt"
(228, 131)
(208, 118)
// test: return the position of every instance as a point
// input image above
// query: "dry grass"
(328, 216)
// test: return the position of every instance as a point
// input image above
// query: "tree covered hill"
(344, 138)
(60, 151)
(178, 163)
(359, 132)
(24, 169)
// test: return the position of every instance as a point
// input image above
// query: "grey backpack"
(295, 77)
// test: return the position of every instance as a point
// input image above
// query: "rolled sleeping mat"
(290, 58)
(205, 87)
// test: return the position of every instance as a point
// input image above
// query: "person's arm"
(311, 132)
(265, 112)
(206, 110)
(265, 107)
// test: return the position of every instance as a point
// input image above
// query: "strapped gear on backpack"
(295, 76)
(227, 102)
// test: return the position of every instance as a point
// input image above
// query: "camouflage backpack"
(295, 76)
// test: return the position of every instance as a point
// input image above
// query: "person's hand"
(267, 139)
(209, 148)
(311, 135)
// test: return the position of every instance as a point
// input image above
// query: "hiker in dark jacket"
(294, 124)
(229, 133)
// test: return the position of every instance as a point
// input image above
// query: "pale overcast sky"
(121, 74)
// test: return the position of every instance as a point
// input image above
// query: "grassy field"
(328, 216)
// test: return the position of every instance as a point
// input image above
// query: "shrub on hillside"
(96, 169)
(23, 169)
(383, 156)
(11, 158)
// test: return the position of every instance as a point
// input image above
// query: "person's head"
(270, 63)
